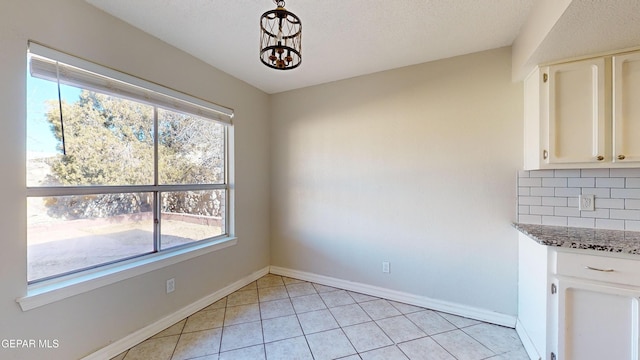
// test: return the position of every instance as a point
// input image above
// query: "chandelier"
(280, 38)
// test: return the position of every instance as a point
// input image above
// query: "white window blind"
(49, 64)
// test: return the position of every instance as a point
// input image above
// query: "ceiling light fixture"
(280, 38)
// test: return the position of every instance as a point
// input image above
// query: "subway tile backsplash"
(550, 197)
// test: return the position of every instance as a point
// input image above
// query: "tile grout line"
(264, 343)
(173, 353)
(224, 318)
(303, 333)
(481, 343)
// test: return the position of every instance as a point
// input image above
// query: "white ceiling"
(348, 38)
(589, 27)
(340, 39)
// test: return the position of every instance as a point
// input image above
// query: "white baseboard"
(531, 350)
(137, 337)
(407, 298)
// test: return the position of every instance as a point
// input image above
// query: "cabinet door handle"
(599, 157)
(545, 154)
(621, 157)
(596, 269)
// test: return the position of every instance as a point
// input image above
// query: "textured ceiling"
(589, 27)
(343, 39)
(340, 39)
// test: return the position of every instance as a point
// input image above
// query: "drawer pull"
(596, 269)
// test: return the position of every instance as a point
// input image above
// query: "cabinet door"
(576, 112)
(626, 108)
(597, 322)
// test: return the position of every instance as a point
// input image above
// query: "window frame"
(52, 288)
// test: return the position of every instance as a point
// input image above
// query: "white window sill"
(62, 288)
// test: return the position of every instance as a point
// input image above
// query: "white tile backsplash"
(597, 214)
(609, 203)
(554, 182)
(541, 173)
(567, 211)
(632, 225)
(594, 173)
(633, 183)
(610, 224)
(541, 210)
(554, 220)
(598, 192)
(550, 197)
(582, 182)
(625, 193)
(632, 204)
(610, 182)
(570, 191)
(530, 219)
(530, 182)
(541, 191)
(530, 200)
(625, 172)
(581, 222)
(557, 201)
(625, 214)
(572, 173)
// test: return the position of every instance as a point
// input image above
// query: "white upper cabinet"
(626, 108)
(582, 114)
(576, 112)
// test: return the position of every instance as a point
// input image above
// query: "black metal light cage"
(280, 38)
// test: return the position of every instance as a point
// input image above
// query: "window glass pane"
(108, 140)
(69, 233)
(191, 149)
(40, 137)
(189, 216)
(81, 138)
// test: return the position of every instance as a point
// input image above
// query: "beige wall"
(89, 321)
(416, 166)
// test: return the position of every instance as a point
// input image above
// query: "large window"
(117, 167)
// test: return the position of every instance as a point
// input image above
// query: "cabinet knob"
(545, 154)
(621, 157)
(600, 158)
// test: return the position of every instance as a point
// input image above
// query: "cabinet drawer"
(599, 268)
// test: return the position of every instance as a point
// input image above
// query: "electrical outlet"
(586, 203)
(171, 285)
(385, 267)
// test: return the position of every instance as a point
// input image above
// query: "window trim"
(60, 288)
(43, 292)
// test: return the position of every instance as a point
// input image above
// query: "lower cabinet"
(596, 321)
(577, 305)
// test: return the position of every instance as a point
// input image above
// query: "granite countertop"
(614, 241)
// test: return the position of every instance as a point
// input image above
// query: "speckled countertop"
(614, 241)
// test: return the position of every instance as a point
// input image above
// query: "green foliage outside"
(109, 141)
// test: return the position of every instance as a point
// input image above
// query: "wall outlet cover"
(171, 285)
(586, 203)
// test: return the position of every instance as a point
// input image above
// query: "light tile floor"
(283, 318)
